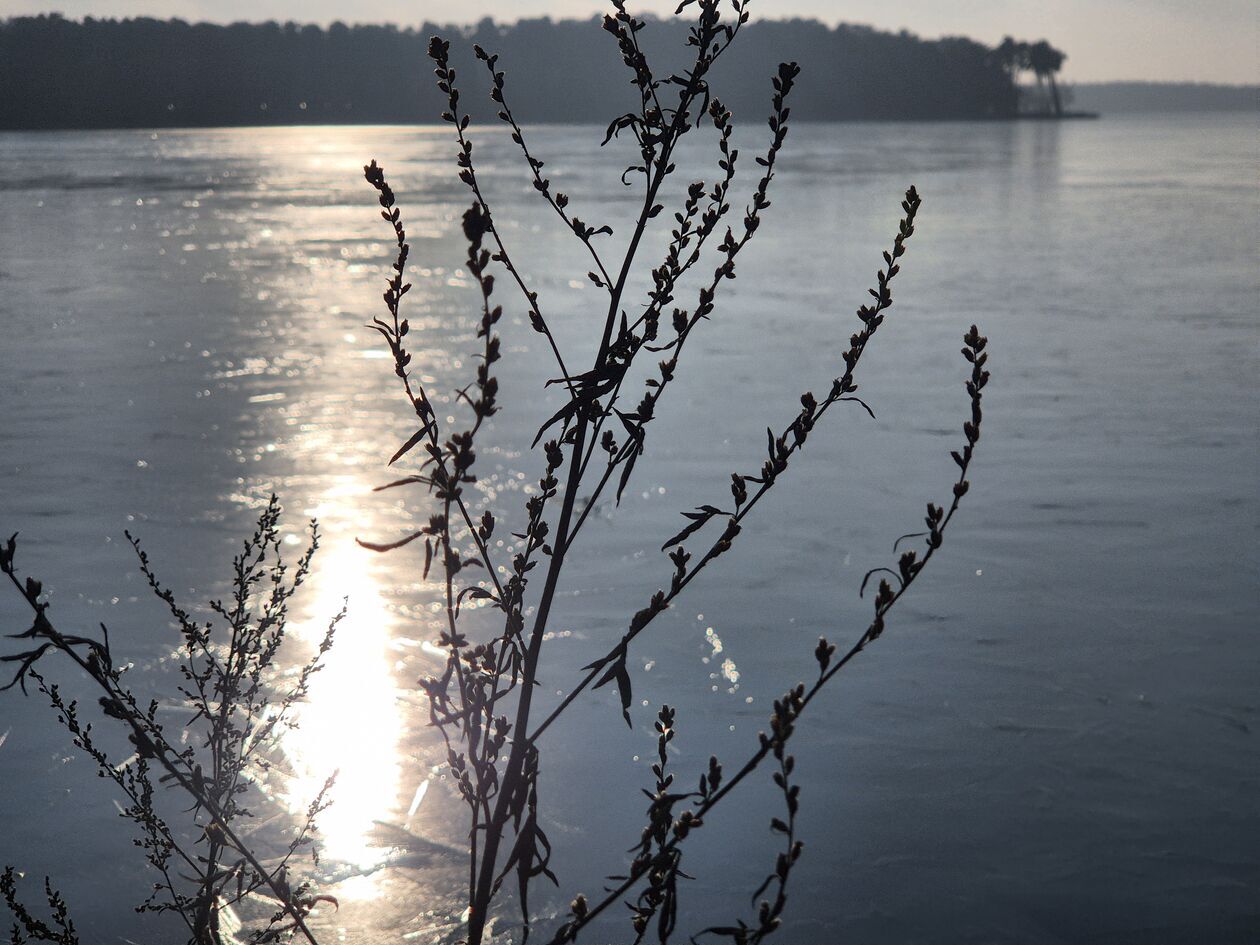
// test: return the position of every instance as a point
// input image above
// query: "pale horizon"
(1156, 41)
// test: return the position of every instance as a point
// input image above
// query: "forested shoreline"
(145, 73)
(97, 73)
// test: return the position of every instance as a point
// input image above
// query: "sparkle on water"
(350, 723)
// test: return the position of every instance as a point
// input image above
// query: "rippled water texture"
(1055, 742)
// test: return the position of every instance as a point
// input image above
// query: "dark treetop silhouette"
(169, 73)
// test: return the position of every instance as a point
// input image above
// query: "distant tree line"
(92, 73)
(1121, 97)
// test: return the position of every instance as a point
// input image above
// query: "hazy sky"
(1201, 40)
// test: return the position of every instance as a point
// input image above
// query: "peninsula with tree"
(57, 72)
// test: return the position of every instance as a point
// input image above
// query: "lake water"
(1055, 742)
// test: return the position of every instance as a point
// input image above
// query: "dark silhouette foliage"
(486, 700)
(105, 73)
(237, 698)
(1044, 62)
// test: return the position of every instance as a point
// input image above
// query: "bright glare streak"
(350, 721)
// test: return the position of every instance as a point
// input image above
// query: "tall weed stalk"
(483, 700)
(237, 702)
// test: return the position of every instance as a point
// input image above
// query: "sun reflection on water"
(351, 720)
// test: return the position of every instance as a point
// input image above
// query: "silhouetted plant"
(27, 927)
(482, 703)
(227, 667)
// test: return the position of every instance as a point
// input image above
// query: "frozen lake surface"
(1055, 742)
